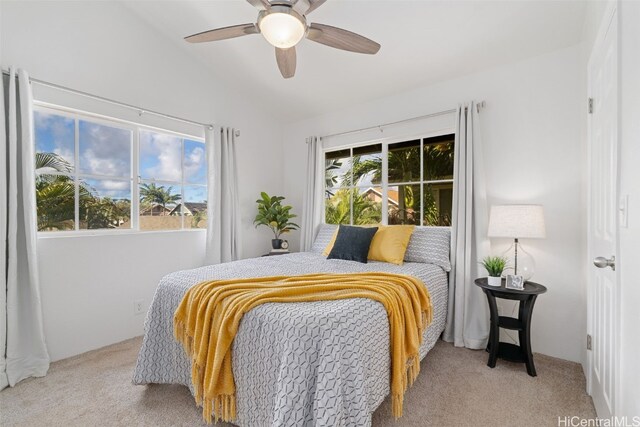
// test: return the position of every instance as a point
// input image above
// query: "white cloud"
(104, 150)
(65, 153)
(115, 189)
(161, 156)
(193, 163)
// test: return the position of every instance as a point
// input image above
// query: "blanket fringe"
(219, 408)
(397, 399)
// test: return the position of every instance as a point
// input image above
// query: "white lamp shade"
(517, 221)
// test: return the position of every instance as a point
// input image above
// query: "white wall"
(534, 152)
(629, 245)
(89, 283)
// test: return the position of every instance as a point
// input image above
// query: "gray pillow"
(325, 233)
(430, 245)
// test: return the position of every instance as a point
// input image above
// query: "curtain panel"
(313, 198)
(223, 207)
(467, 315)
(23, 352)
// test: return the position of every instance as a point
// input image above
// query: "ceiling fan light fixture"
(282, 28)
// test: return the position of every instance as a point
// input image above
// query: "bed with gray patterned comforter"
(321, 363)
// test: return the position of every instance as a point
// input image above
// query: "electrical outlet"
(138, 306)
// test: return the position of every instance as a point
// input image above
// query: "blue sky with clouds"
(107, 151)
(55, 134)
(104, 150)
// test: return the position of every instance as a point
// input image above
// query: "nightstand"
(277, 252)
(527, 297)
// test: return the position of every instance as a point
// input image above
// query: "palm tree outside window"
(418, 188)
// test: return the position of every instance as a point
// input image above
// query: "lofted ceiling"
(423, 42)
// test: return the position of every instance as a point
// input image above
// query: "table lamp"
(518, 222)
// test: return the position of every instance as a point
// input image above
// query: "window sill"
(103, 233)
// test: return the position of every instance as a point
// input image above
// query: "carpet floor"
(455, 388)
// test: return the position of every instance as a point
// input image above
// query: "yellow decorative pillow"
(390, 243)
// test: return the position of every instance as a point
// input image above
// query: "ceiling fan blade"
(286, 61)
(223, 33)
(314, 5)
(342, 39)
(260, 4)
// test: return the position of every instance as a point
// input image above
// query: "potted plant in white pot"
(494, 265)
(273, 214)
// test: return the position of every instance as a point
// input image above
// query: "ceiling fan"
(283, 23)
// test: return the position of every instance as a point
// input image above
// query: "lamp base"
(522, 262)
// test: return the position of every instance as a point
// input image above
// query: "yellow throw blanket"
(209, 315)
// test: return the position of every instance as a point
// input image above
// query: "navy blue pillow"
(352, 243)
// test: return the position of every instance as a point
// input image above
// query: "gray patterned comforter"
(298, 364)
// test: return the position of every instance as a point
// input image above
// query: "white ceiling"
(423, 42)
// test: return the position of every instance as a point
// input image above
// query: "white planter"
(494, 281)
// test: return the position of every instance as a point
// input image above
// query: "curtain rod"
(479, 105)
(140, 110)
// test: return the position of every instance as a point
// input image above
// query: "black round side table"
(527, 297)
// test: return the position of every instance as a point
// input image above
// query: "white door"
(603, 292)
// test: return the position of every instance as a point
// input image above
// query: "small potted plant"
(494, 265)
(273, 214)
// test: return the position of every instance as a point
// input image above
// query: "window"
(85, 169)
(173, 182)
(417, 188)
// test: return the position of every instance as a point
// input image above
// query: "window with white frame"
(104, 174)
(404, 182)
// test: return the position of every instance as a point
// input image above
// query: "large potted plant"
(273, 214)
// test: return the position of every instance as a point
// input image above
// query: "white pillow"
(325, 233)
(430, 245)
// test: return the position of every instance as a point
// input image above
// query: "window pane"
(404, 161)
(404, 204)
(337, 168)
(438, 200)
(438, 158)
(55, 142)
(337, 206)
(195, 164)
(195, 207)
(160, 156)
(105, 203)
(367, 165)
(55, 202)
(104, 150)
(367, 205)
(160, 207)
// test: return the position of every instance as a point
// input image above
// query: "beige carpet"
(455, 388)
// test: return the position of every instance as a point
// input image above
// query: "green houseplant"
(273, 214)
(494, 265)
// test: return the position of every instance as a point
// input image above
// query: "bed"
(321, 363)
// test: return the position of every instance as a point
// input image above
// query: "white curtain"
(312, 203)
(468, 313)
(223, 219)
(23, 352)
